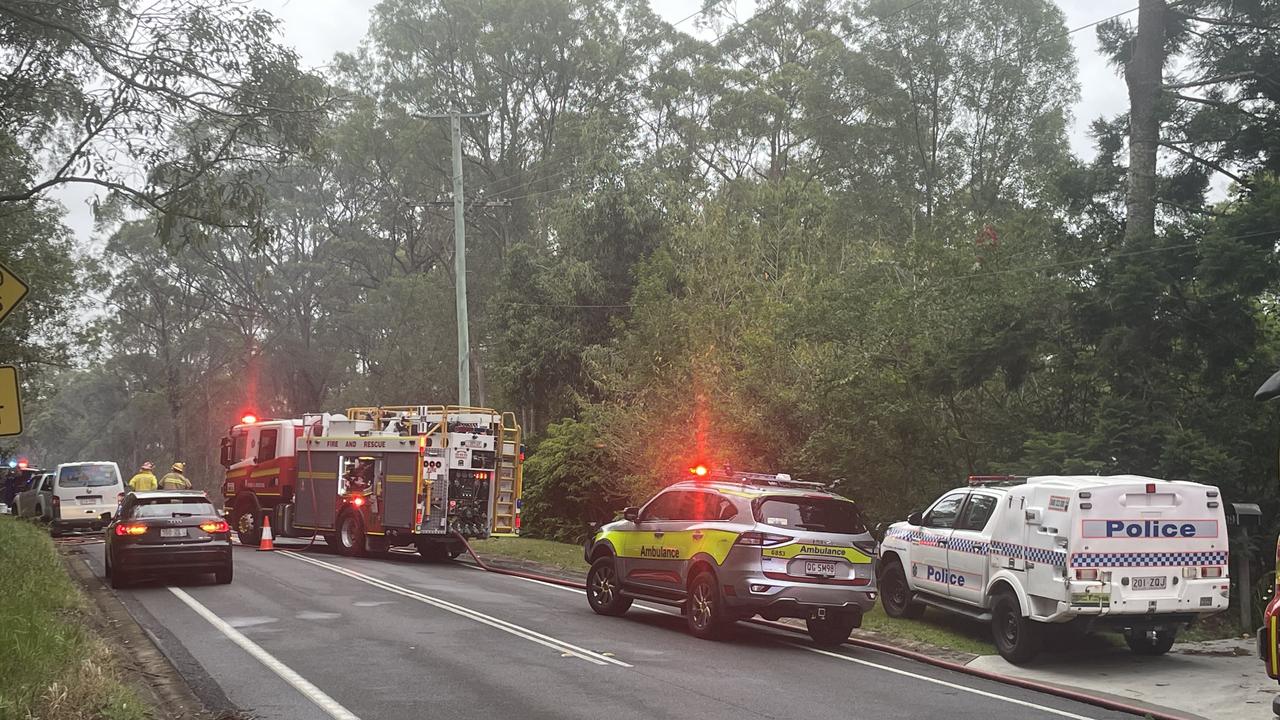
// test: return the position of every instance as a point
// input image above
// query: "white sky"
(320, 28)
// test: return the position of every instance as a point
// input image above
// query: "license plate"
(1158, 582)
(825, 569)
(173, 532)
(89, 500)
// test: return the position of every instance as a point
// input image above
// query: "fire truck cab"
(377, 477)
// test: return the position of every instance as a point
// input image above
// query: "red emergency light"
(699, 470)
(22, 463)
(249, 419)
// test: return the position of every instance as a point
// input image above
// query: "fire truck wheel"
(454, 551)
(603, 591)
(1018, 638)
(351, 537)
(331, 539)
(895, 593)
(1142, 644)
(248, 521)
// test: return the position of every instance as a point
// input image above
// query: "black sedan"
(157, 533)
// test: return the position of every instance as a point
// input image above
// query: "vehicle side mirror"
(915, 519)
(106, 516)
(631, 514)
(224, 452)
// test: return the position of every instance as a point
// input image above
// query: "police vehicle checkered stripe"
(1149, 559)
(979, 547)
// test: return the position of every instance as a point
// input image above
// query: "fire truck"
(377, 477)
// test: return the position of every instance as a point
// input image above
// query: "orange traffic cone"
(265, 543)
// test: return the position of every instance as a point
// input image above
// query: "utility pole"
(460, 252)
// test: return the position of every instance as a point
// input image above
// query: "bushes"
(571, 480)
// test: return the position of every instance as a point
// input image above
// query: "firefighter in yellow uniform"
(145, 480)
(174, 479)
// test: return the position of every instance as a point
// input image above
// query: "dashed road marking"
(334, 709)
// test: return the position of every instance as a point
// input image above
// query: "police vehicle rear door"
(929, 570)
(967, 548)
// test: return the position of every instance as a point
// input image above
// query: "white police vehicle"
(1125, 552)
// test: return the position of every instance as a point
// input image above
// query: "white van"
(85, 495)
(1130, 553)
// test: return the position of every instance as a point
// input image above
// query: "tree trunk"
(1144, 76)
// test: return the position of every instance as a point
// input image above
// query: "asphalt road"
(304, 634)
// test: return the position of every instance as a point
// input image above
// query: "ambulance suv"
(1130, 553)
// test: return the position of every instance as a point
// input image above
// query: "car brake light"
(1211, 572)
(1087, 574)
(215, 526)
(131, 529)
(760, 538)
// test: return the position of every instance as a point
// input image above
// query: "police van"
(1129, 553)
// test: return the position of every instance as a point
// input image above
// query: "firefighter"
(145, 480)
(174, 479)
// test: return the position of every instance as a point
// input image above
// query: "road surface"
(304, 634)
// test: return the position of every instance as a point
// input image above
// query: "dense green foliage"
(843, 240)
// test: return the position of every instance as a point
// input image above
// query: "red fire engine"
(377, 477)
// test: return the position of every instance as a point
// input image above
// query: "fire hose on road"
(1048, 689)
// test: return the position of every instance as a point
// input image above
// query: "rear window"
(172, 507)
(816, 514)
(87, 476)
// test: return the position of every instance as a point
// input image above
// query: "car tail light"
(131, 529)
(866, 546)
(760, 538)
(1211, 572)
(215, 526)
(1190, 572)
(1087, 574)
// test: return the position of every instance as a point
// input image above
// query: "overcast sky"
(320, 28)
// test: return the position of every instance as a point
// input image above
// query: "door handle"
(658, 533)
(697, 535)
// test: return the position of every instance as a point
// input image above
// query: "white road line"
(299, 683)
(512, 628)
(926, 678)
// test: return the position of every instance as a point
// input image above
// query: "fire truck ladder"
(510, 477)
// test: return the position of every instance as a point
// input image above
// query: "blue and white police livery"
(1137, 554)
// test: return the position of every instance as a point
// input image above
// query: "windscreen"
(817, 514)
(172, 507)
(87, 476)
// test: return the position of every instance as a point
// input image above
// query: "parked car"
(36, 502)
(85, 495)
(15, 480)
(166, 532)
(1143, 556)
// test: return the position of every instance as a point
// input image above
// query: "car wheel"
(704, 610)
(833, 630)
(1142, 644)
(119, 579)
(248, 522)
(604, 591)
(351, 538)
(1018, 638)
(224, 575)
(895, 594)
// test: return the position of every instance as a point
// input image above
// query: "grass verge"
(935, 628)
(51, 665)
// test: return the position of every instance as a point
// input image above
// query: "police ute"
(1129, 553)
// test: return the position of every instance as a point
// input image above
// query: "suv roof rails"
(781, 480)
(996, 480)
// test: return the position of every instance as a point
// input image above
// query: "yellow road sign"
(10, 403)
(12, 290)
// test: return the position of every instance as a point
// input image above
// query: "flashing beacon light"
(699, 470)
(22, 463)
(13, 463)
(249, 419)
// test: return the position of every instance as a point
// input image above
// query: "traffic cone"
(265, 543)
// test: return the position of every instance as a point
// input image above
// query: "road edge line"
(286, 673)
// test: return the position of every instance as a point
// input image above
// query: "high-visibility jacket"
(174, 481)
(144, 481)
